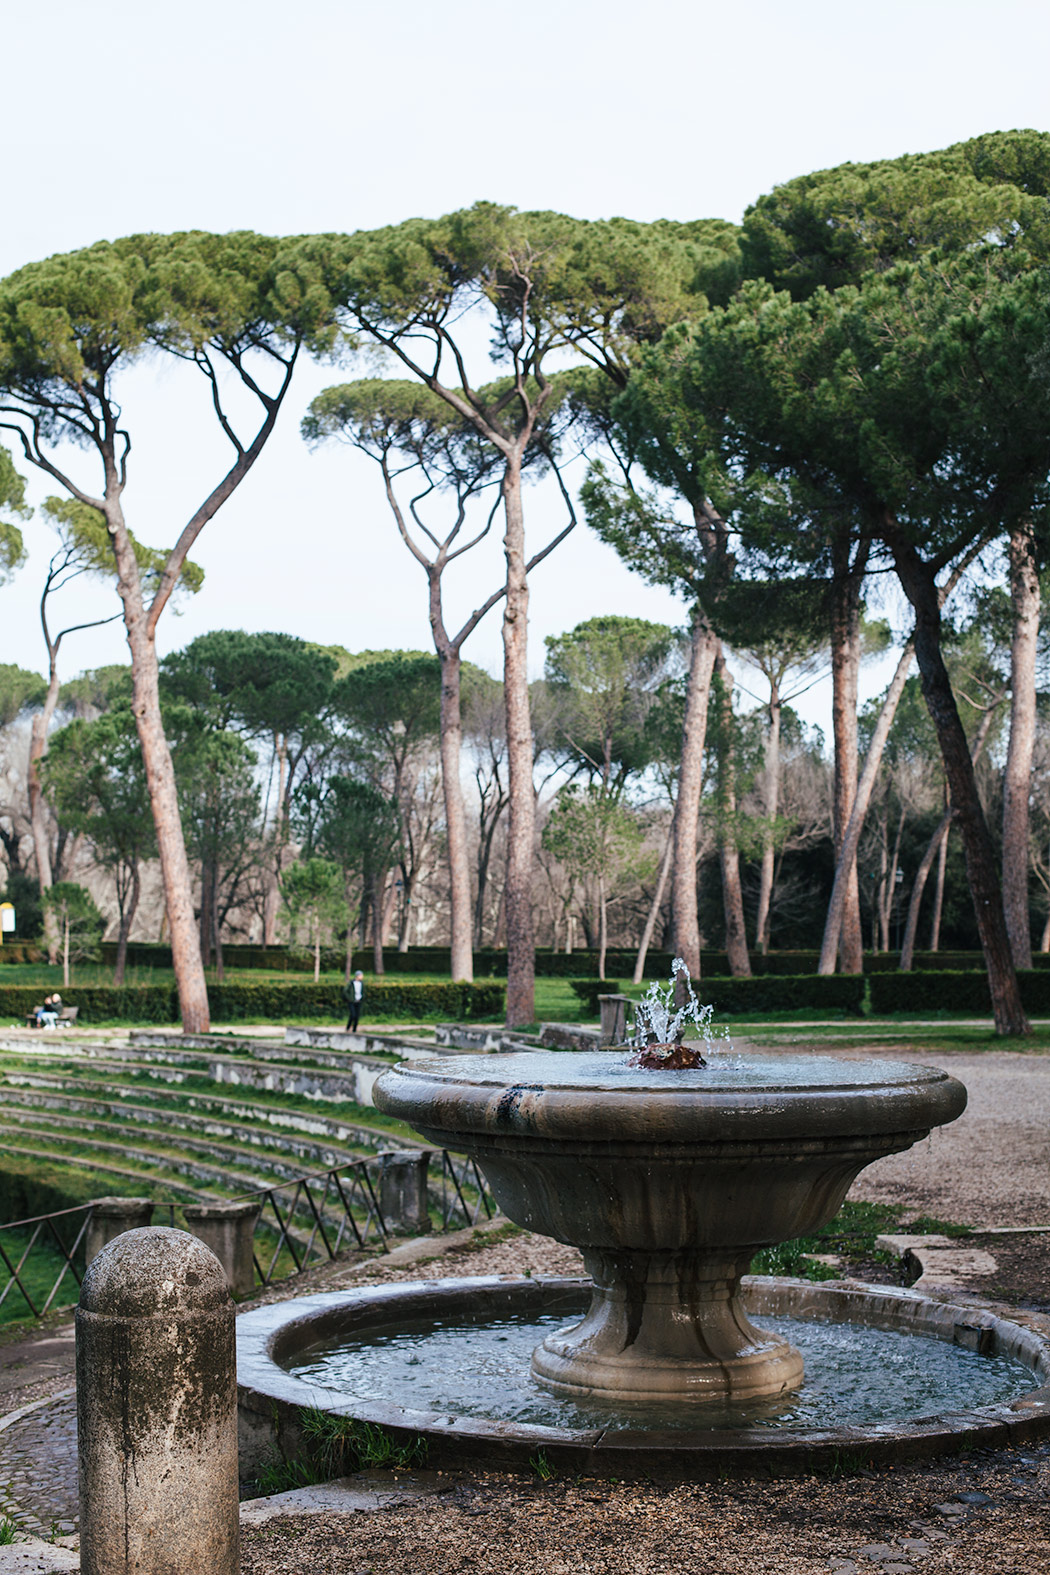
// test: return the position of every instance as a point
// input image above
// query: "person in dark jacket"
(354, 994)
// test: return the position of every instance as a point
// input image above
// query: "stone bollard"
(403, 1190)
(110, 1217)
(157, 1410)
(229, 1230)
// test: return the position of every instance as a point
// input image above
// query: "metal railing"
(463, 1193)
(313, 1218)
(303, 1222)
(29, 1262)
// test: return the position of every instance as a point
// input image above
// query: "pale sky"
(120, 117)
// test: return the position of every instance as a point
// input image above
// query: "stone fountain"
(670, 1170)
(669, 1177)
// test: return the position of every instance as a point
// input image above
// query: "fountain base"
(474, 1404)
(666, 1325)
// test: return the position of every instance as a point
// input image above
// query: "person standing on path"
(354, 994)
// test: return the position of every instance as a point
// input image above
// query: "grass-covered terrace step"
(365, 1128)
(196, 1133)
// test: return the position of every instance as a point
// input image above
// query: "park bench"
(66, 1018)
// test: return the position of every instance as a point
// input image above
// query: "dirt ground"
(980, 1515)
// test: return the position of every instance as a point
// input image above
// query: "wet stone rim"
(271, 1399)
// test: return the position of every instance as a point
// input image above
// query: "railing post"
(403, 1200)
(228, 1229)
(157, 1410)
(110, 1217)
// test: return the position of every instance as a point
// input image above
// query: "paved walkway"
(38, 1467)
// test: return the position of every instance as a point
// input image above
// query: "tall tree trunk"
(933, 848)
(728, 852)
(462, 955)
(204, 924)
(1024, 595)
(654, 911)
(772, 776)
(846, 586)
(878, 923)
(890, 895)
(160, 777)
(685, 920)
(175, 869)
(846, 862)
(499, 934)
(272, 901)
(348, 896)
(127, 919)
(387, 910)
(37, 808)
(936, 848)
(317, 950)
(603, 927)
(65, 952)
(216, 924)
(377, 929)
(921, 590)
(521, 831)
(938, 894)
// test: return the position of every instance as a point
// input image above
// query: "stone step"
(350, 1084)
(244, 1108)
(125, 1113)
(229, 1176)
(137, 1178)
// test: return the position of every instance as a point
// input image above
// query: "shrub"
(273, 999)
(773, 993)
(588, 991)
(784, 993)
(955, 992)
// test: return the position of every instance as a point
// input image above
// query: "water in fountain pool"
(855, 1375)
(724, 1073)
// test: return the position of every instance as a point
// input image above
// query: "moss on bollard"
(157, 1409)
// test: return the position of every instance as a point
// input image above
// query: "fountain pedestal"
(666, 1327)
(669, 1182)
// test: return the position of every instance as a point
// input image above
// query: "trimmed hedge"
(784, 993)
(149, 1003)
(774, 993)
(588, 991)
(490, 961)
(384, 997)
(22, 952)
(137, 1003)
(955, 992)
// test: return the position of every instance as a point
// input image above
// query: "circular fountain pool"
(893, 1373)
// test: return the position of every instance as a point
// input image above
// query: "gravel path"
(992, 1166)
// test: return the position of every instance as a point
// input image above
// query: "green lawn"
(557, 1002)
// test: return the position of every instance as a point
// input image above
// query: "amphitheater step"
(214, 1106)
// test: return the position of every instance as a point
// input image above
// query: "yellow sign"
(7, 920)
